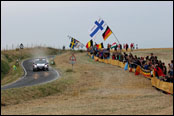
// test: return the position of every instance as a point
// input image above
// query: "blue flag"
(126, 66)
(99, 25)
(73, 43)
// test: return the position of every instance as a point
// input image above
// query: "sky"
(147, 23)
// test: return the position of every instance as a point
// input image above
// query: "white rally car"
(40, 64)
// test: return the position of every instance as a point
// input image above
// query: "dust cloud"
(39, 53)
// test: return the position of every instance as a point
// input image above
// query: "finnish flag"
(99, 26)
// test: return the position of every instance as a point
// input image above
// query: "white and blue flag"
(99, 26)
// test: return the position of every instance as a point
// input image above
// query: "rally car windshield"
(40, 62)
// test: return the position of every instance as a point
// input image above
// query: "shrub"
(69, 70)
(17, 49)
(8, 58)
(4, 68)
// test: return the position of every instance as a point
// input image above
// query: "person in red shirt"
(132, 45)
(158, 71)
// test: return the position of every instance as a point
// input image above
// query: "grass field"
(91, 88)
(11, 56)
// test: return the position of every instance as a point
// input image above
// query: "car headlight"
(46, 65)
(35, 66)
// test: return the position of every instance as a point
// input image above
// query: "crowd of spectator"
(150, 63)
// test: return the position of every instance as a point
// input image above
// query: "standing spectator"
(116, 47)
(131, 46)
(108, 47)
(126, 46)
(14, 67)
(152, 57)
(147, 58)
(113, 56)
(108, 51)
(158, 72)
(17, 62)
(136, 46)
(164, 68)
(120, 47)
(171, 69)
(125, 57)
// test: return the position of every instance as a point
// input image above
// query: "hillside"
(8, 59)
(91, 88)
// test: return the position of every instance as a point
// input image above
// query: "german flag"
(100, 45)
(107, 33)
(89, 44)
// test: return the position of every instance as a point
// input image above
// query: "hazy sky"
(148, 24)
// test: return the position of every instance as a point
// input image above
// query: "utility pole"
(6, 47)
(12, 46)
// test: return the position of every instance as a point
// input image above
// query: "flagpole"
(94, 40)
(69, 36)
(115, 37)
(113, 33)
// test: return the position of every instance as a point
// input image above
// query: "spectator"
(131, 63)
(101, 54)
(91, 50)
(116, 47)
(125, 57)
(164, 68)
(138, 61)
(131, 46)
(147, 66)
(152, 57)
(158, 72)
(136, 46)
(150, 64)
(108, 47)
(17, 62)
(120, 47)
(120, 57)
(113, 56)
(126, 46)
(171, 69)
(160, 64)
(147, 58)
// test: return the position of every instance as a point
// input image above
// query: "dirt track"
(98, 89)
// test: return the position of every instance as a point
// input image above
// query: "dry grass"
(97, 88)
(25, 53)
(163, 54)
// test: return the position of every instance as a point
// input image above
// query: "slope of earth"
(97, 88)
(10, 57)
